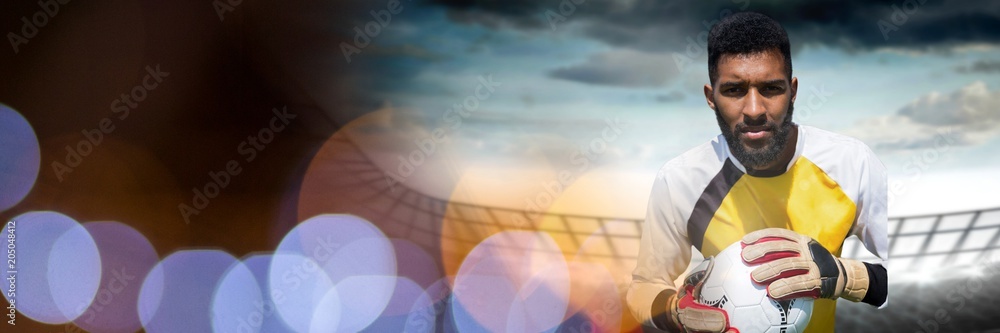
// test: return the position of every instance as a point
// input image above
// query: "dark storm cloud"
(625, 68)
(667, 26)
(673, 96)
(980, 66)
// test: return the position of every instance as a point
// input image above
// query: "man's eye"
(772, 88)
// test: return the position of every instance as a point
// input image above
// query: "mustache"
(766, 126)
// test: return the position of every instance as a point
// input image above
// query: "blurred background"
(448, 165)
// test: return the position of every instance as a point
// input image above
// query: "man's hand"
(794, 265)
(689, 315)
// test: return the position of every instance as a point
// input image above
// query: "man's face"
(753, 102)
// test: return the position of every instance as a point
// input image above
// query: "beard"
(756, 158)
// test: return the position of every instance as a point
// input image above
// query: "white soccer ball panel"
(749, 319)
(800, 313)
(742, 290)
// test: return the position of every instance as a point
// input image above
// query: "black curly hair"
(746, 33)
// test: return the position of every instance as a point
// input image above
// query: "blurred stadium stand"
(943, 276)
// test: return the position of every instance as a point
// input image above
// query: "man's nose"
(754, 109)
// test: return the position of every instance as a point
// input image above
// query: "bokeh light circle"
(328, 313)
(406, 297)
(482, 295)
(595, 304)
(413, 262)
(363, 256)
(343, 245)
(426, 310)
(271, 322)
(238, 302)
(57, 263)
(126, 258)
(505, 273)
(298, 285)
(540, 304)
(364, 298)
(176, 295)
(604, 246)
(347, 252)
(21, 157)
(600, 248)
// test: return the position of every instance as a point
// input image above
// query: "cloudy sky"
(919, 83)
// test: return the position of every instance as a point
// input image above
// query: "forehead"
(762, 66)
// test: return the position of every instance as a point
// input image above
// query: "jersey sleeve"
(664, 254)
(872, 221)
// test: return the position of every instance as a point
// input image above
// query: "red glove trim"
(770, 256)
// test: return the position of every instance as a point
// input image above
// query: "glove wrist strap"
(856, 280)
(674, 315)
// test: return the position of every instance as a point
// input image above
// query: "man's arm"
(872, 224)
(664, 254)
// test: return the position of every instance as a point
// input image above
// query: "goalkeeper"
(791, 193)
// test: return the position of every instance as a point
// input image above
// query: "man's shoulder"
(823, 139)
(838, 155)
(825, 145)
(710, 155)
(685, 177)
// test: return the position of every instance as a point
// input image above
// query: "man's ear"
(794, 87)
(709, 97)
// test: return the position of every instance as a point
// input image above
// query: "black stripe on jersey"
(710, 200)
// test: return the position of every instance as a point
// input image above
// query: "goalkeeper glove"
(690, 316)
(793, 265)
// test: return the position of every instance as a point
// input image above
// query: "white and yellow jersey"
(704, 199)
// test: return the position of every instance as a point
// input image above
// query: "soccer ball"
(750, 310)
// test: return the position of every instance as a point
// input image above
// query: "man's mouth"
(755, 132)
